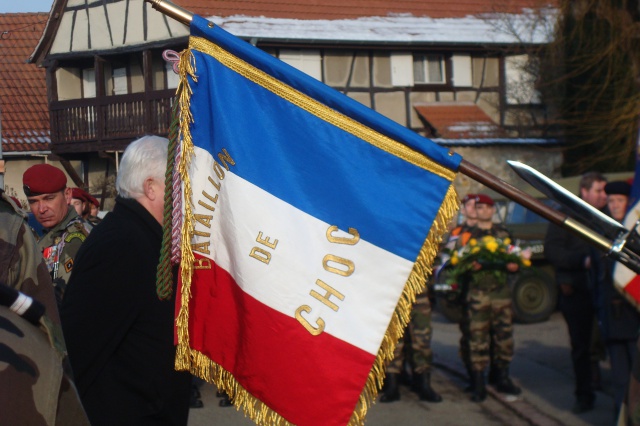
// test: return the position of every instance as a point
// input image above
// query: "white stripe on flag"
(296, 263)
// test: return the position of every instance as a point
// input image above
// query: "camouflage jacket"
(21, 265)
(34, 373)
(59, 246)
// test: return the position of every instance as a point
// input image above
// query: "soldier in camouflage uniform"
(457, 238)
(420, 356)
(46, 189)
(490, 310)
(35, 385)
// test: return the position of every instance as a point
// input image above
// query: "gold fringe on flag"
(198, 363)
(187, 68)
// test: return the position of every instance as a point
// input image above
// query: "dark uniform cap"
(468, 197)
(484, 199)
(43, 179)
(618, 187)
(79, 193)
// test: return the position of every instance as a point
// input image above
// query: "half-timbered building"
(457, 72)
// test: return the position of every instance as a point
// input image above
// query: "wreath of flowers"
(490, 252)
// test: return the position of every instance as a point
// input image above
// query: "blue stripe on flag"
(312, 164)
(317, 90)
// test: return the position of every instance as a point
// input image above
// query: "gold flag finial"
(172, 10)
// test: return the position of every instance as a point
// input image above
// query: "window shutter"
(89, 83)
(461, 70)
(401, 69)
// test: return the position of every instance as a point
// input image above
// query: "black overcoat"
(119, 335)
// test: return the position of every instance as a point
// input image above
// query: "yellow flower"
(507, 241)
(488, 238)
(454, 261)
(475, 249)
(526, 262)
(473, 242)
(492, 246)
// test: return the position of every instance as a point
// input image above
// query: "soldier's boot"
(225, 401)
(194, 399)
(494, 374)
(471, 384)
(391, 388)
(479, 388)
(504, 383)
(596, 376)
(426, 392)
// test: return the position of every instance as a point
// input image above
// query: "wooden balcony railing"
(109, 122)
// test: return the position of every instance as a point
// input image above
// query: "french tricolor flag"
(309, 224)
(625, 280)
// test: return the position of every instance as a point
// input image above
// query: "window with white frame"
(521, 73)
(307, 61)
(429, 69)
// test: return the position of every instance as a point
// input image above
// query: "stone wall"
(493, 159)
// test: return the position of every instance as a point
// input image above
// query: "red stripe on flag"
(317, 380)
(633, 288)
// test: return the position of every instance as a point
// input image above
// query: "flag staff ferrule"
(172, 10)
(597, 239)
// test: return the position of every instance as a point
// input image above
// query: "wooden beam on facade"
(77, 180)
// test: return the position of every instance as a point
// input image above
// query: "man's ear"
(583, 192)
(149, 189)
(66, 193)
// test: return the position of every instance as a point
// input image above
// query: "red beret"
(93, 200)
(79, 193)
(43, 179)
(468, 197)
(484, 199)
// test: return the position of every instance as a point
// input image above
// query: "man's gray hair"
(144, 158)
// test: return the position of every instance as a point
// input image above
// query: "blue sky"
(12, 6)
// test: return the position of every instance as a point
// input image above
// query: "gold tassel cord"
(187, 69)
(198, 363)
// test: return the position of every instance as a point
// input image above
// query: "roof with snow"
(78, 26)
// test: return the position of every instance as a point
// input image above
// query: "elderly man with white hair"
(119, 334)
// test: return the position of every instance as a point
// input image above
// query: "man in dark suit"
(119, 333)
(571, 257)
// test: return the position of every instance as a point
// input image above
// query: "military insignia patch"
(68, 265)
(73, 235)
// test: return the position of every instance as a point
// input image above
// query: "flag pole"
(172, 10)
(474, 172)
(533, 204)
